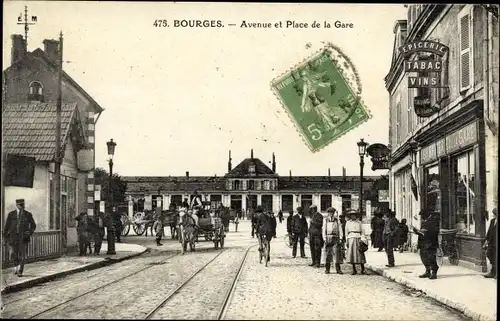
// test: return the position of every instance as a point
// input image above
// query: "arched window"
(36, 88)
(36, 91)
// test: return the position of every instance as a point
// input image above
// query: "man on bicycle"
(266, 228)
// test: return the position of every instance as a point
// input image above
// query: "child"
(402, 235)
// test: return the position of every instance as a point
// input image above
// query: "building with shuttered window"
(247, 185)
(452, 156)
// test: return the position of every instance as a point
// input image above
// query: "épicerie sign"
(428, 72)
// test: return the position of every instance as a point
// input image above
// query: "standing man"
(299, 231)
(333, 241)
(159, 226)
(18, 229)
(316, 236)
(118, 224)
(428, 242)
(389, 236)
(490, 244)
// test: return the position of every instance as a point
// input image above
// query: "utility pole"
(57, 157)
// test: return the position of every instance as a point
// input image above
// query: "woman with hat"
(332, 230)
(354, 237)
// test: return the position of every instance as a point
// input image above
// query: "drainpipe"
(486, 65)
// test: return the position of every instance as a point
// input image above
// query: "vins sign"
(428, 72)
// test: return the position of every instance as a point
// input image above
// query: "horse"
(187, 232)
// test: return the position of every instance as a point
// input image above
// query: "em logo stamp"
(322, 95)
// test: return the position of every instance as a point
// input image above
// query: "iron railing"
(42, 246)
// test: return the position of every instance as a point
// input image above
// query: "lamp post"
(361, 151)
(111, 229)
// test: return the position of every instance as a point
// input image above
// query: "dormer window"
(36, 91)
(251, 168)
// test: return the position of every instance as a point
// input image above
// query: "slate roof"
(29, 128)
(261, 169)
(39, 53)
(147, 184)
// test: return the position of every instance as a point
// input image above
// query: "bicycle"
(289, 240)
(448, 248)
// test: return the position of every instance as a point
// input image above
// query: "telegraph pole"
(57, 157)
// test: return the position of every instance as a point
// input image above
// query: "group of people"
(91, 229)
(389, 234)
(343, 240)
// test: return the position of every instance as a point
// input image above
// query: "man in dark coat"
(377, 235)
(428, 242)
(159, 216)
(390, 226)
(17, 232)
(280, 216)
(316, 236)
(118, 225)
(299, 231)
(491, 245)
(266, 226)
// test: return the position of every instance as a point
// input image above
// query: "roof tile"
(28, 128)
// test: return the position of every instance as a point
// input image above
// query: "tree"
(118, 187)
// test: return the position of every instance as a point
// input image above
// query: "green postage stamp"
(322, 96)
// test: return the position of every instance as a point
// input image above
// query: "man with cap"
(299, 231)
(428, 242)
(316, 236)
(18, 229)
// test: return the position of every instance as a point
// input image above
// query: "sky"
(178, 99)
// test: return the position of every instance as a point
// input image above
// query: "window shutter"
(464, 26)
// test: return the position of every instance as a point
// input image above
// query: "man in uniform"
(159, 225)
(299, 231)
(316, 236)
(17, 232)
(428, 242)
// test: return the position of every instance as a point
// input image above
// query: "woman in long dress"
(332, 230)
(354, 236)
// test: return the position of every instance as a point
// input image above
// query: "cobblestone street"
(287, 289)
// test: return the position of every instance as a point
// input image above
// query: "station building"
(244, 187)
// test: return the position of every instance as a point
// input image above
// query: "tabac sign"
(428, 69)
(380, 156)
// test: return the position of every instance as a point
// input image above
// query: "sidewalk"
(457, 287)
(45, 271)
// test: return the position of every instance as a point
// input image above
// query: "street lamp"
(361, 151)
(111, 229)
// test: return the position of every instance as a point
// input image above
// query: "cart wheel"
(126, 230)
(139, 229)
(125, 224)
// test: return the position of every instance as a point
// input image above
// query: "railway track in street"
(100, 287)
(227, 296)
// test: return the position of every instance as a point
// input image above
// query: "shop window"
(463, 183)
(287, 203)
(326, 202)
(432, 189)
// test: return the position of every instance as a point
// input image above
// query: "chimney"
(51, 48)
(187, 174)
(274, 164)
(18, 48)
(344, 173)
(290, 175)
(329, 174)
(229, 164)
(251, 153)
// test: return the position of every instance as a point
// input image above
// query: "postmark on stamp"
(322, 97)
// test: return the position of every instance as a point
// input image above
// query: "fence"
(43, 245)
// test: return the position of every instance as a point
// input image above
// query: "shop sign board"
(460, 138)
(428, 73)
(379, 154)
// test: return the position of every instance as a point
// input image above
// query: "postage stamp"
(322, 97)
